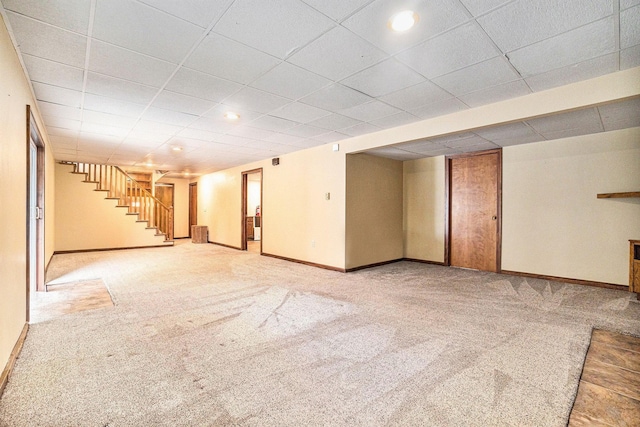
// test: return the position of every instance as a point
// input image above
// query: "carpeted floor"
(202, 335)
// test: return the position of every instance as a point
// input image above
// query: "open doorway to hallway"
(252, 210)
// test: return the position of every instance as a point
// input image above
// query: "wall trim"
(424, 261)
(375, 264)
(567, 280)
(76, 251)
(225, 245)
(311, 264)
(4, 377)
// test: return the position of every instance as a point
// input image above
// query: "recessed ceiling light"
(149, 164)
(403, 21)
(177, 148)
(231, 115)
(187, 174)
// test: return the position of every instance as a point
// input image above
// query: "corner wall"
(373, 210)
(180, 205)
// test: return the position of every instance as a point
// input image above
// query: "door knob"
(494, 217)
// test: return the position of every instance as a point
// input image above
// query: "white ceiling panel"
(479, 147)
(71, 15)
(625, 4)
(477, 77)
(199, 12)
(108, 119)
(383, 78)
(337, 9)
(182, 103)
(461, 141)
(337, 54)
(508, 131)
(334, 122)
(587, 119)
(246, 116)
(434, 17)
(257, 100)
(394, 120)
(575, 46)
(335, 97)
(525, 22)
(299, 112)
(361, 129)
(282, 138)
(573, 132)
(57, 95)
(56, 131)
(57, 110)
(103, 131)
(124, 90)
(64, 141)
(170, 117)
(204, 135)
(478, 7)
(370, 111)
(573, 73)
(201, 85)
(48, 42)
(439, 108)
(157, 127)
(138, 27)
(62, 123)
(305, 131)
(456, 49)
(278, 28)
(328, 137)
(507, 142)
(420, 146)
(113, 106)
(290, 81)
(496, 93)
(622, 124)
(416, 96)
(114, 61)
(630, 58)
(53, 73)
(272, 123)
(152, 138)
(219, 56)
(618, 111)
(630, 27)
(394, 153)
(251, 132)
(212, 125)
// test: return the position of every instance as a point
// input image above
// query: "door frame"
(245, 177)
(33, 134)
(193, 205)
(448, 201)
(173, 201)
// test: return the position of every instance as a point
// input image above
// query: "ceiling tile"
(53, 73)
(299, 112)
(199, 12)
(48, 42)
(630, 58)
(68, 14)
(525, 22)
(456, 49)
(618, 111)
(278, 28)
(157, 127)
(330, 137)
(581, 119)
(479, 147)
(124, 90)
(394, 153)
(203, 135)
(122, 63)
(57, 95)
(394, 120)
(460, 140)
(212, 125)
(57, 110)
(182, 103)
(369, 111)
(305, 131)
(360, 129)
(439, 108)
(335, 97)
(630, 27)
(68, 133)
(170, 117)
(573, 73)
(434, 17)
(337, 9)
(625, 4)
(138, 27)
(497, 93)
(569, 133)
(383, 78)
(201, 85)
(630, 122)
(416, 96)
(256, 100)
(218, 113)
(103, 131)
(507, 131)
(476, 77)
(337, 54)
(219, 56)
(419, 146)
(507, 142)
(272, 123)
(59, 122)
(108, 119)
(290, 81)
(251, 132)
(575, 46)
(478, 7)
(334, 122)
(113, 106)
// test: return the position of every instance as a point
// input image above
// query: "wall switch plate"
(327, 196)
(336, 147)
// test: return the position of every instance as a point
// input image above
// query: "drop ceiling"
(127, 81)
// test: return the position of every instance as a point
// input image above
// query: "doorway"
(165, 193)
(474, 191)
(252, 212)
(193, 206)
(35, 210)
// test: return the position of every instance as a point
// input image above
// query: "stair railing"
(130, 194)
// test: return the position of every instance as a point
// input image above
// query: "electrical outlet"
(327, 196)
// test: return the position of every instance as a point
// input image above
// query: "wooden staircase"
(130, 194)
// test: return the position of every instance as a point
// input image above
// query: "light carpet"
(202, 335)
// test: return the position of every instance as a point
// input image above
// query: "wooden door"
(193, 205)
(164, 193)
(474, 198)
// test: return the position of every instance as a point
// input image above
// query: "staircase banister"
(144, 190)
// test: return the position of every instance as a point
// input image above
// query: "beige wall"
(373, 210)
(553, 224)
(84, 219)
(424, 209)
(15, 95)
(180, 205)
